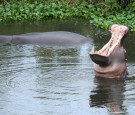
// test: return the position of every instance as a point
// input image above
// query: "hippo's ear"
(99, 59)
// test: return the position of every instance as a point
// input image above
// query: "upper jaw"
(118, 32)
(118, 28)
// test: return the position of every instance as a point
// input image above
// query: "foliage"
(101, 14)
(132, 6)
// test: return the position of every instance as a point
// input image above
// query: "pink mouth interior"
(118, 32)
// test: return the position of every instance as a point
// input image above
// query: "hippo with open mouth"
(109, 61)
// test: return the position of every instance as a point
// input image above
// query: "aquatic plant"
(101, 14)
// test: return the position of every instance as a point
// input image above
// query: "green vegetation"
(101, 13)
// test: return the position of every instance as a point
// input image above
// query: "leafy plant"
(101, 13)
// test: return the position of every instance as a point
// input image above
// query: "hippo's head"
(111, 56)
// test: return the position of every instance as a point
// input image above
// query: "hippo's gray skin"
(57, 38)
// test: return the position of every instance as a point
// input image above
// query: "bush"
(101, 14)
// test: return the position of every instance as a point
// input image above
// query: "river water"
(40, 80)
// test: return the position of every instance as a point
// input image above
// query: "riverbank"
(100, 16)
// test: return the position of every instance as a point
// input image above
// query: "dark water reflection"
(110, 94)
(39, 80)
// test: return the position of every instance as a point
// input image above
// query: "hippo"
(55, 38)
(109, 61)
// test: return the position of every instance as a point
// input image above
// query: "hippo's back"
(57, 38)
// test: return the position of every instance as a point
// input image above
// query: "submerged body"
(109, 62)
(57, 38)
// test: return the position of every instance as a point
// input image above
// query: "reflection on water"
(74, 25)
(39, 80)
(110, 94)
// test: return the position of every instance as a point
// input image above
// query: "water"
(39, 80)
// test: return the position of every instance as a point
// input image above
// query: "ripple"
(130, 94)
(131, 68)
(50, 78)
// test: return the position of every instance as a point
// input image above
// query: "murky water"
(39, 80)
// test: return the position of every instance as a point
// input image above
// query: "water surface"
(40, 80)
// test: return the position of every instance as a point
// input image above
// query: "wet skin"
(56, 38)
(109, 61)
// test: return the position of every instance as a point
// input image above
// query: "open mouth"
(101, 57)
